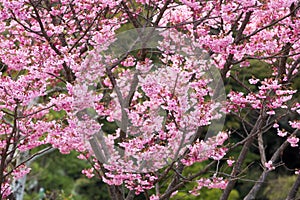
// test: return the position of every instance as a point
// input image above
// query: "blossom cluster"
(63, 57)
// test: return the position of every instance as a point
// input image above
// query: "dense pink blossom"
(59, 59)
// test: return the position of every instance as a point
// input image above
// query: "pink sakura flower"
(201, 151)
(130, 61)
(21, 171)
(245, 64)
(221, 137)
(218, 182)
(230, 162)
(293, 141)
(107, 82)
(228, 74)
(296, 108)
(297, 171)
(174, 193)
(215, 182)
(295, 124)
(253, 81)
(275, 125)
(271, 112)
(269, 165)
(88, 172)
(81, 157)
(5, 190)
(154, 197)
(191, 3)
(281, 133)
(285, 92)
(218, 153)
(194, 192)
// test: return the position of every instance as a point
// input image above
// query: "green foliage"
(205, 194)
(279, 188)
(61, 177)
(87, 189)
(56, 115)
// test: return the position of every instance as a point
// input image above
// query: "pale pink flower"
(154, 197)
(293, 141)
(281, 133)
(253, 81)
(271, 112)
(88, 172)
(21, 171)
(230, 162)
(269, 165)
(295, 124)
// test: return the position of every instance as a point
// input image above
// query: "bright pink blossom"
(293, 141)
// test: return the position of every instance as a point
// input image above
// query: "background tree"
(63, 58)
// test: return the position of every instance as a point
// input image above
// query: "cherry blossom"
(269, 165)
(230, 162)
(281, 133)
(293, 141)
(65, 57)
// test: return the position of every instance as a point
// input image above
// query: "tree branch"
(293, 192)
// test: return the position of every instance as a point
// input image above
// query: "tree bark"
(238, 166)
(254, 190)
